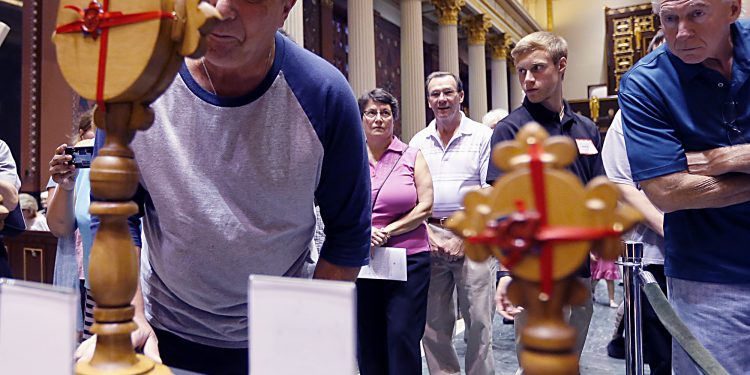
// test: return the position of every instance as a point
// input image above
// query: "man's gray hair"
(656, 5)
(493, 117)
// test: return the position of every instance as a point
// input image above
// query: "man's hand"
(143, 338)
(504, 307)
(719, 161)
(444, 243)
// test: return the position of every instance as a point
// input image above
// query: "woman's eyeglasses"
(373, 114)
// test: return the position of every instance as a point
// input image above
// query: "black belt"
(437, 220)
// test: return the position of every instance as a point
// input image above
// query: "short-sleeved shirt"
(66, 262)
(227, 188)
(14, 222)
(8, 172)
(457, 168)
(394, 194)
(586, 166)
(615, 159)
(670, 108)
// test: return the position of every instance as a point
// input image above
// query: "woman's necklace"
(269, 62)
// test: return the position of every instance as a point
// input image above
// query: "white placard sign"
(386, 263)
(37, 328)
(300, 326)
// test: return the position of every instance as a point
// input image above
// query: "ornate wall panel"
(388, 60)
(48, 105)
(431, 64)
(311, 15)
(340, 40)
(31, 109)
(629, 31)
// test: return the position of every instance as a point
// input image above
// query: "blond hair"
(554, 45)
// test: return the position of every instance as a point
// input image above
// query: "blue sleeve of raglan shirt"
(134, 222)
(343, 192)
(14, 224)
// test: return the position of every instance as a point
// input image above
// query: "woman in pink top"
(391, 314)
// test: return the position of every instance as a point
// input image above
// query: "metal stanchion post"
(632, 265)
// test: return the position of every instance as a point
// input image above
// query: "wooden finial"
(540, 222)
(123, 55)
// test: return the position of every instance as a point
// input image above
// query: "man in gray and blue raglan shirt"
(686, 121)
(229, 173)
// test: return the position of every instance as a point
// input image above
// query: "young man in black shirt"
(540, 60)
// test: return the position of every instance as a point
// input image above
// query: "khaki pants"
(578, 316)
(475, 286)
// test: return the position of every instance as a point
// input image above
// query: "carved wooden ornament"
(540, 222)
(111, 50)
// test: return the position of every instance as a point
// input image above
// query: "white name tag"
(586, 147)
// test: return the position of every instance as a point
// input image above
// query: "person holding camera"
(69, 220)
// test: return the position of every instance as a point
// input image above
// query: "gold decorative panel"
(623, 44)
(623, 63)
(629, 31)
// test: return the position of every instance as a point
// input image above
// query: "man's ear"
(736, 8)
(288, 5)
(561, 65)
(461, 97)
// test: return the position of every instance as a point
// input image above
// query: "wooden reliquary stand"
(540, 222)
(122, 54)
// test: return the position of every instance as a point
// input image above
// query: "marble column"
(516, 91)
(412, 70)
(499, 70)
(447, 11)
(361, 23)
(295, 24)
(476, 27)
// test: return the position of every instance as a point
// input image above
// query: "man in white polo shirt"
(457, 151)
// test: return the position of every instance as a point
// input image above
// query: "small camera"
(82, 156)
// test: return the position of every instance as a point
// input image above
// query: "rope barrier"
(680, 332)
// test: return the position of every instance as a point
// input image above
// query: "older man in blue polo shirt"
(687, 124)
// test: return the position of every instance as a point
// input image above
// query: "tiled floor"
(594, 360)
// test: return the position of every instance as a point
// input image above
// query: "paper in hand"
(386, 263)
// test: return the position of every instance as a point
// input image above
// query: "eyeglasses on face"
(449, 93)
(372, 114)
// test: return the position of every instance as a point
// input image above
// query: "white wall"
(584, 29)
(581, 23)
